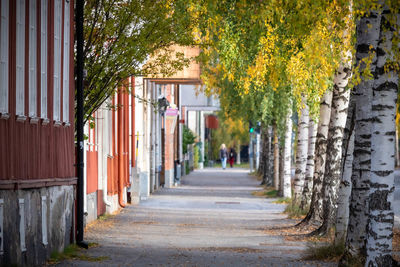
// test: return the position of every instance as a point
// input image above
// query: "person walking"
(223, 154)
(232, 156)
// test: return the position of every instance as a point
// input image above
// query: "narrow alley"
(211, 219)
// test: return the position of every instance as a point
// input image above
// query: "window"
(4, 57)
(66, 64)
(32, 59)
(20, 60)
(57, 59)
(43, 58)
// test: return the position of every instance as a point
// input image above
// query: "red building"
(37, 156)
(110, 154)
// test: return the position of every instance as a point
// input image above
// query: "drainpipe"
(120, 149)
(79, 121)
(105, 147)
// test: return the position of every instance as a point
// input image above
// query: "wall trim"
(38, 183)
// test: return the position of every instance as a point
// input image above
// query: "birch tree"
(380, 195)
(314, 214)
(265, 167)
(308, 181)
(276, 158)
(342, 216)
(287, 178)
(301, 155)
(367, 34)
(337, 123)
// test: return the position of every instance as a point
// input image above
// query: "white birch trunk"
(367, 40)
(342, 216)
(276, 159)
(308, 181)
(301, 155)
(287, 178)
(331, 181)
(380, 197)
(315, 212)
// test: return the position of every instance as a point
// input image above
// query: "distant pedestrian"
(223, 154)
(232, 156)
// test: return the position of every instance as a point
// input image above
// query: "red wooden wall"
(36, 151)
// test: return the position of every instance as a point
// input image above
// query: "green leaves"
(121, 35)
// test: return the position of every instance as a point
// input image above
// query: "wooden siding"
(30, 151)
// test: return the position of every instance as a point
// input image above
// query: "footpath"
(211, 219)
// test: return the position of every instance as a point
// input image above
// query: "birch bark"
(287, 188)
(238, 153)
(331, 180)
(308, 181)
(265, 166)
(342, 216)
(367, 41)
(301, 155)
(380, 196)
(314, 214)
(281, 168)
(276, 159)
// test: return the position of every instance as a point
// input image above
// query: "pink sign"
(171, 112)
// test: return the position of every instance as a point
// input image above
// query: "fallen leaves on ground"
(294, 233)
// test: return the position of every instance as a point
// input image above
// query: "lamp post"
(79, 121)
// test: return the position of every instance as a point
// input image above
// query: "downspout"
(133, 130)
(105, 143)
(126, 120)
(120, 149)
(79, 121)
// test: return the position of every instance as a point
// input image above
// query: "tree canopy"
(121, 35)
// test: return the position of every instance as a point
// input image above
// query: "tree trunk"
(308, 181)
(260, 151)
(276, 159)
(238, 153)
(331, 180)
(380, 197)
(397, 147)
(314, 214)
(367, 37)
(281, 169)
(301, 154)
(342, 216)
(287, 178)
(265, 161)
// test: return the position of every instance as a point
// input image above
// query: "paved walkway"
(210, 220)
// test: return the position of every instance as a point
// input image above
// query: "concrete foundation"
(114, 204)
(144, 185)
(169, 178)
(135, 189)
(35, 222)
(91, 213)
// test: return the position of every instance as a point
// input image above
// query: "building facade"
(37, 153)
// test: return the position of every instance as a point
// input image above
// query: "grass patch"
(327, 252)
(244, 165)
(272, 193)
(294, 211)
(269, 192)
(74, 252)
(283, 200)
(105, 217)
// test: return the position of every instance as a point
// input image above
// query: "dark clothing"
(232, 156)
(223, 153)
